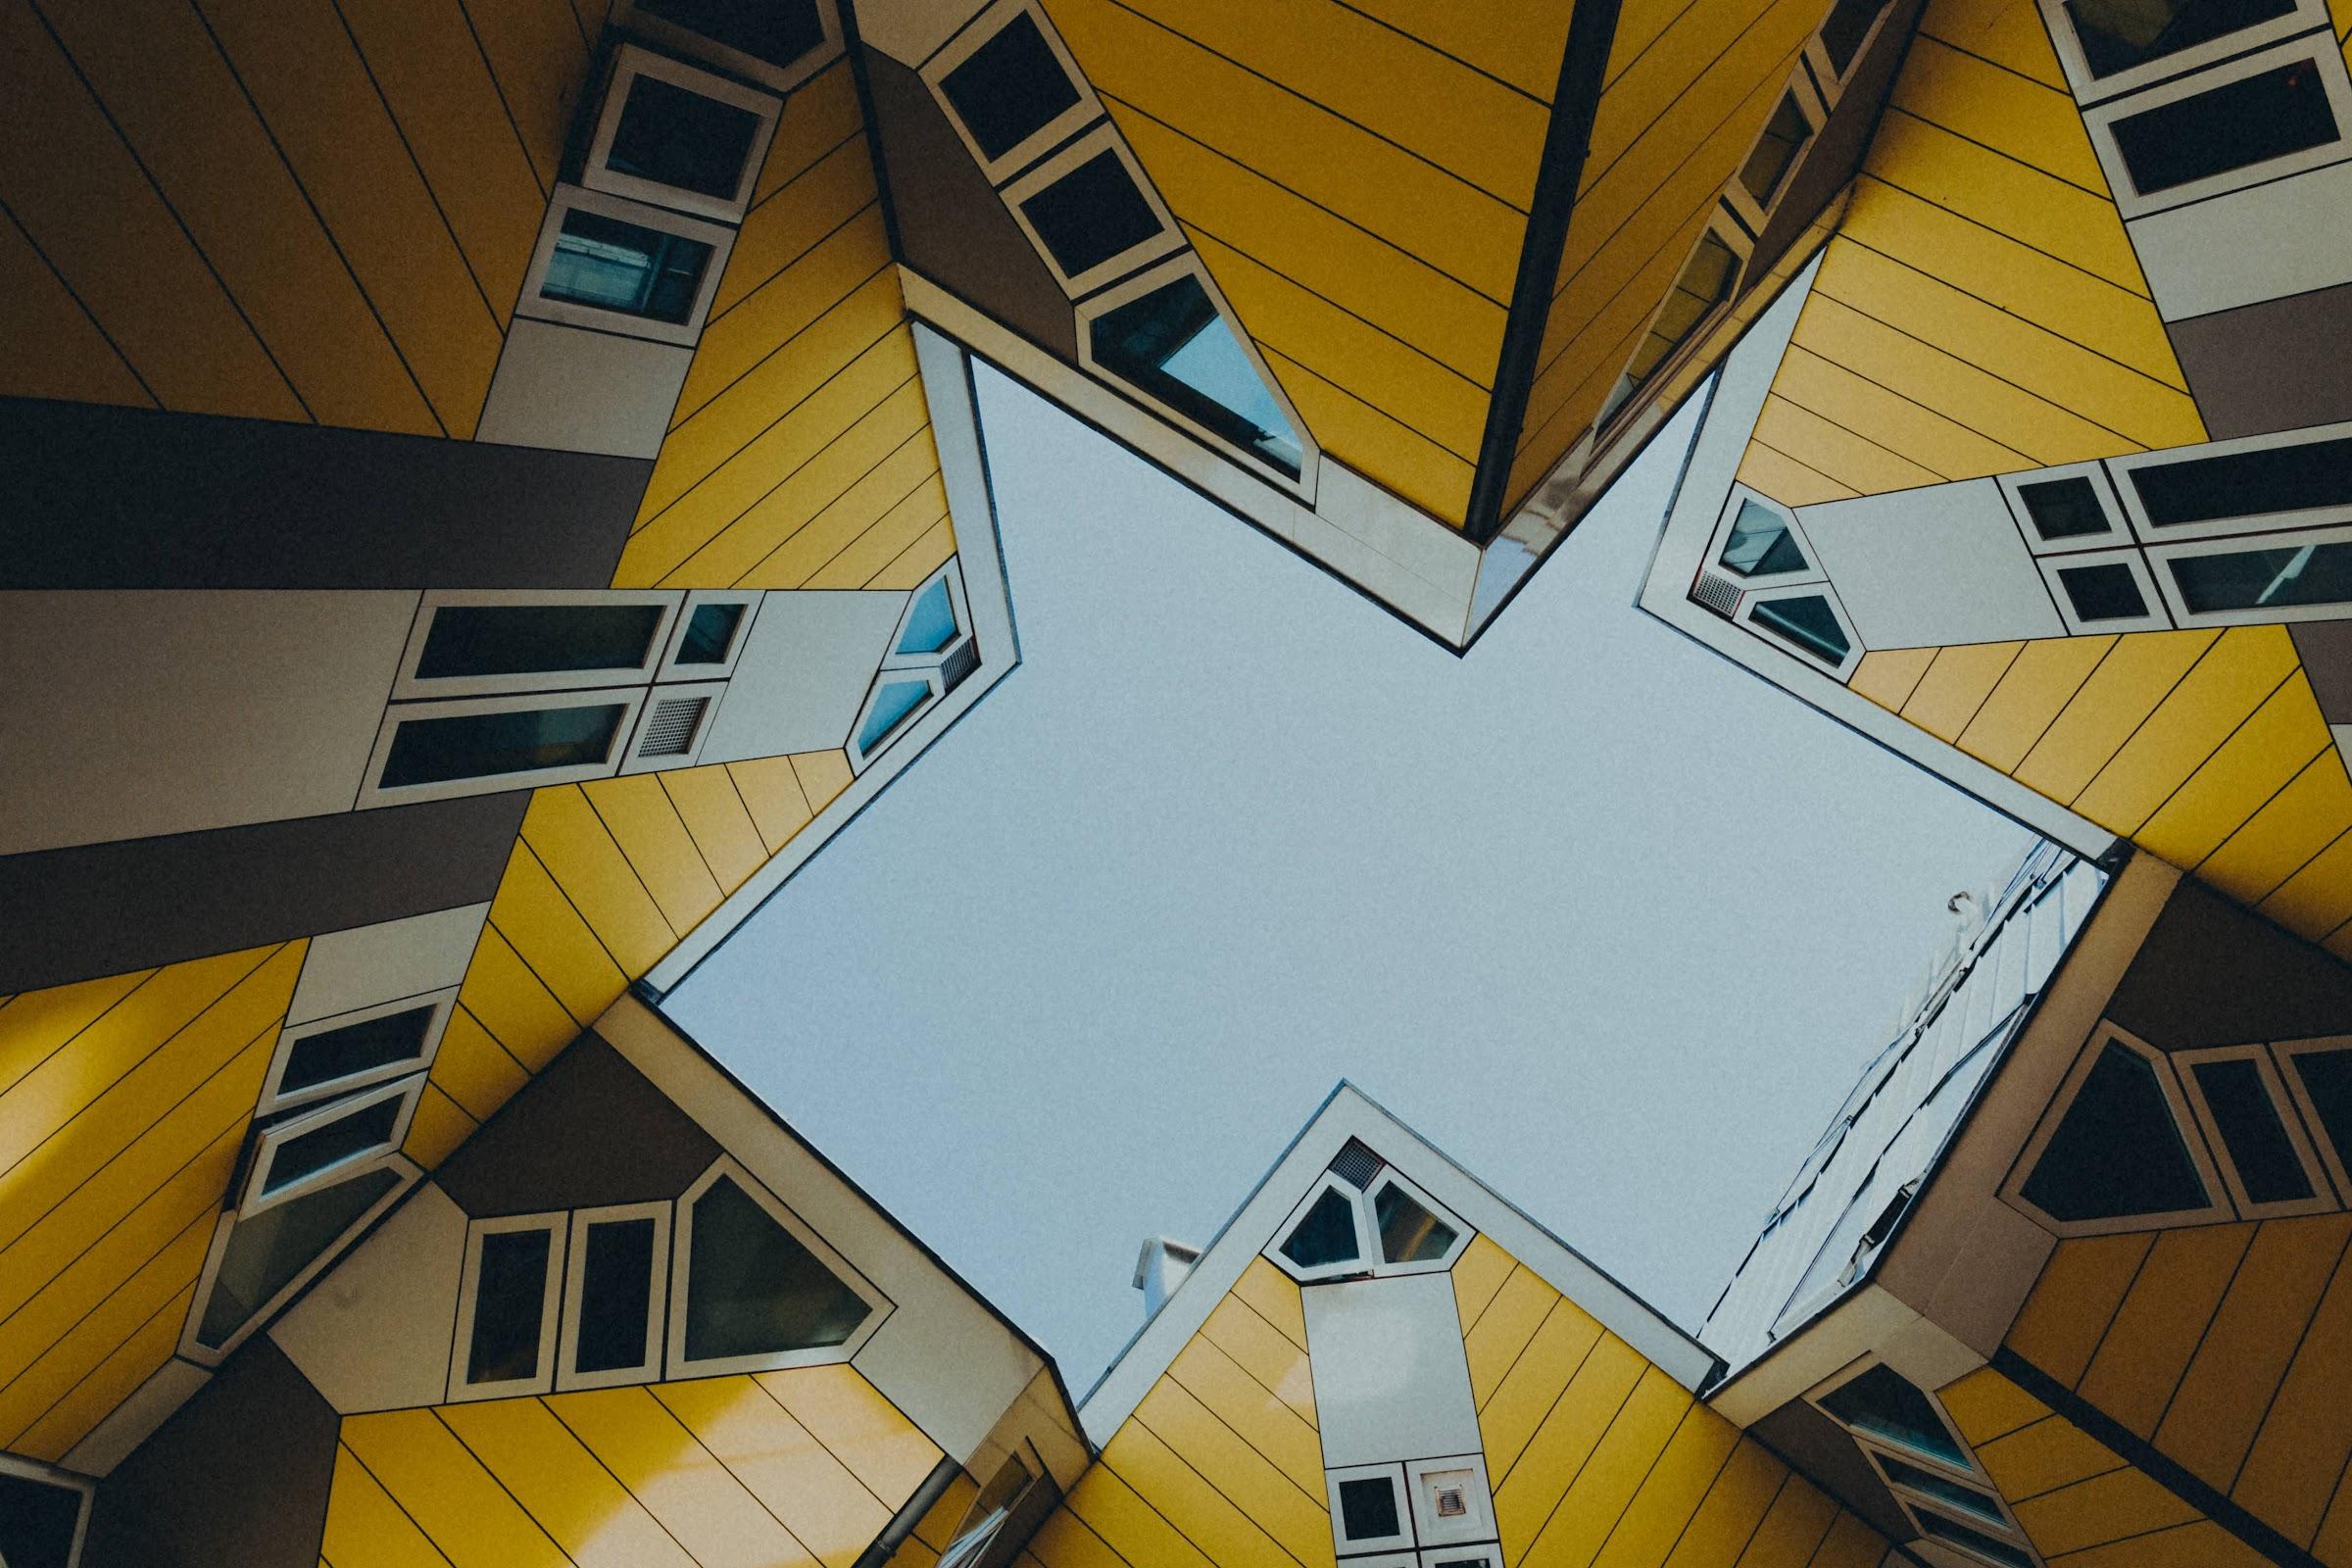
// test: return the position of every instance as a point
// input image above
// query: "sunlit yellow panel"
(574, 1498)
(675, 1479)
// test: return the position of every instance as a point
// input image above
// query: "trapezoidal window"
(777, 35)
(1761, 543)
(2120, 36)
(266, 1255)
(1093, 219)
(1326, 1236)
(506, 1339)
(1882, 1403)
(501, 743)
(2065, 509)
(2118, 1151)
(1776, 150)
(2253, 119)
(750, 1290)
(2105, 591)
(2272, 576)
(1844, 29)
(1172, 344)
(305, 1150)
(1705, 283)
(42, 1515)
(1807, 623)
(2319, 1074)
(326, 1058)
(616, 1270)
(1408, 1232)
(2267, 1163)
(1010, 88)
(709, 634)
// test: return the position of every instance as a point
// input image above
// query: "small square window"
(2105, 592)
(709, 634)
(2065, 509)
(672, 135)
(1368, 1510)
(1010, 88)
(1092, 214)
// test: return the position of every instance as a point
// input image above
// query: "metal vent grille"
(1717, 593)
(1357, 1165)
(670, 731)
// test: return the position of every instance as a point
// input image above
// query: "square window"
(2105, 592)
(2065, 509)
(672, 135)
(709, 634)
(1368, 1510)
(1092, 214)
(609, 264)
(1010, 88)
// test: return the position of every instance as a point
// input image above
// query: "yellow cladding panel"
(1563, 1442)
(637, 812)
(532, 914)
(2090, 1513)
(514, 1005)
(571, 1497)
(1890, 677)
(1793, 1528)
(1178, 1494)
(1512, 41)
(1525, 1394)
(56, 350)
(767, 319)
(1408, 462)
(540, 60)
(772, 793)
(675, 1479)
(437, 1129)
(1477, 1274)
(816, 1498)
(2079, 1287)
(2242, 670)
(46, 1408)
(1733, 1507)
(1786, 480)
(1604, 1485)
(564, 830)
(437, 1482)
(2034, 123)
(366, 1528)
(1857, 461)
(715, 814)
(2043, 1456)
(1985, 1406)
(2146, 1347)
(2256, 762)
(2311, 812)
(1274, 1296)
(1247, 1402)
(2319, 897)
(1920, 433)
(891, 498)
(1670, 1496)
(1121, 1520)
(2298, 1460)
(2137, 674)
(1065, 1541)
(824, 775)
(919, 560)
(1504, 1328)
(2010, 37)
(820, 114)
(1956, 685)
(871, 1437)
(793, 222)
(1230, 1463)
(473, 1069)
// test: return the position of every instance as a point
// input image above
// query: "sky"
(1603, 916)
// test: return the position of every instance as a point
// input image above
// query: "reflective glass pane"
(931, 624)
(266, 1251)
(436, 751)
(2235, 126)
(1173, 345)
(778, 31)
(2327, 1079)
(1326, 1236)
(1975, 1540)
(2302, 477)
(2251, 1131)
(1943, 1489)
(1011, 88)
(2117, 1150)
(1408, 1232)
(676, 137)
(1090, 214)
(616, 1295)
(365, 1131)
(1806, 620)
(1775, 151)
(354, 1049)
(2279, 576)
(510, 1299)
(615, 266)
(536, 639)
(2104, 592)
(1705, 283)
(1761, 545)
(2119, 34)
(751, 1289)
(2064, 509)
(1884, 1405)
(38, 1520)
(1368, 1510)
(893, 705)
(709, 634)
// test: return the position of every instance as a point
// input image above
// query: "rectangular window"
(512, 738)
(2065, 509)
(352, 1049)
(613, 1285)
(1975, 1542)
(2110, 47)
(2272, 481)
(2274, 576)
(2275, 113)
(777, 43)
(475, 640)
(1843, 33)
(621, 266)
(2102, 592)
(2268, 1163)
(304, 1150)
(507, 1298)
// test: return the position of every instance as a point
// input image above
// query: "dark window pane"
(709, 634)
(1943, 1489)
(1806, 620)
(2105, 592)
(2246, 121)
(1326, 1236)
(931, 623)
(266, 1251)
(37, 1522)
(536, 639)
(2064, 509)
(509, 1298)
(2248, 484)
(355, 1047)
(2260, 579)
(2117, 1150)
(676, 137)
(1761, 544)
(1848, 22)
(2117, 34)
(2257, 1141)
(1705, 283)
(1173, 345)
(1775, 151)
(751, 1289)
(433, 751)
(1884, 1405)
(365, 1131)
(2327, 1077)
(896, 700)
(617, 1282)
(1091, 214)
(1408, 1232)
(1011, 88)
(1966, 1539)
(778, 31)
(614, 265)
(1368, 1508)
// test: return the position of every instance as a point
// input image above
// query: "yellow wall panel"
(637, 812)
(825, 775)
(1564, 1442)
(707, 803)
(551, 937)
(919, 560)
(1985, 1406)
(803, 556)
(1251, 1407)
(1525, 1396)
(2031, 693)
(441, 1485)
(1849, 458)
(770, 315)
(56, 351)
(1851, 1543)
(2108, 1507)
(540, 64)
(889, 536)
(366, 1528)
(2245, 771)
(473, 1069)
(1786, 480)
(2043, 1456)
(514, 1005)
(2317, 899)
(571, 842)
(1670, 1494)
(2146, 1347)
(1508, 39)
(1504, 1328)
(1412, 465)
(1956, 685)
(114, 1319)
(2137, 674)
(437, 1129)
(1890, 677)
(1919, 433)
(1065, 1541)
(1125, 1523)
(2010, 37)
(2308, 814)
(1796, 1524)
(575, 1500)
(36, 1023)
(1205, 1516)
(2203, 1545)
(1605, 1484)
(858, 1426)
(819, 116)
(2079, 1287)
(814, 1496)
(110, 1383)
(2244, 666)
(1272, 1295)
(791, 222)
(1292, 1522)
(1733, 1507)
(772, 793)
(1477, 1274)
(2034, 123)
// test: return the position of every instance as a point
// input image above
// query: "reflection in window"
(1408, 1232)
(893, 705)
(679, 139)
(709, 634)
(2250, 120)
(1943, 1489)
(2117, 1151)
(266, 1251)
(610, 265)
(931, 623)
(509, 1302)
(1807, 622)
(458, 745)
(1173, 345)
(1761, 545)
(1326, 1236)
(2251, 1131)
(1882, 1403)
(2119, 34)
(365, 1131)
(2277, 578)
(751, 1289)
(1705, 283)
(468, 640)
(1775, 151)
(2064, 509)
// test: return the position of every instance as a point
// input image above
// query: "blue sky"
(1607, 918)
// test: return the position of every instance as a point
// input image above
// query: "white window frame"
(629, 699)
(1881, 1454)
(631, 63)
(2286, 1051)
(270, 1140)
(1352, 1548)
(1385, 1176)
(681, 1257)
(1484, 1554)
(1103, 138)
(192, 1349)
(2150, 534)
(1725, 225)
(861, 759)
(1744, 617)
(712, 693)
(1310, 456)
(2157, 616)
(719, 237)
(669, 669)
(2012, 1191)
(2161, 556)
(956, 605)
(2321, 49)
(1367, 1242)
(2290, 1117)
(1475, 1526)
(1915, 1506)
(551, 1302)
(575, 1271)
(2092, 90)
(1972, 1472)
(64, 1481)
(2102, 485)
(1720, 540)
(966, 43)
(686, 41)
(410, 686)
(443, 1004)
(1735, 194)
(1816, 56)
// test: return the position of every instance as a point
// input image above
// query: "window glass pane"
(709, 633)
(355, 1047)
(2117, 34)
(509, 1301)
(778, 31)
(1090, 214)
(676, 137)
(2250, 120)
(2279, 576)
(2064, 509)
(751, 1289)
(1368, 1508)
(1943, 1489)
(1705, 283)
(931, 625)
(2105, 592)
(37, 1522)
(1884, 1405)
(896, 700)
(2327, 1079)
(266, 1251)
(1408, 1232)
(1784, 136)
(2248, 484)
(1806, 620)
(2251, 1132)
(367, 1130)
(536, 639)
(1843, 32)
(2117, 1150)
(1967, 1539)
(434, 751)
(616, 1295)
(1173, 345)
(1761, 544)
(1326, 1236)
(615, 266)
(1011, 88)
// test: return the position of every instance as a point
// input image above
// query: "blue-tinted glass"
(1760, 544)
(1172, 344)
(709, 633)
(932, 625)
(1884, 1405)
(897, 699)
(1806, 620)
(613, 265)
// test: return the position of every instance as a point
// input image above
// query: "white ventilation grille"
(1717, 593)
(670, 731)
